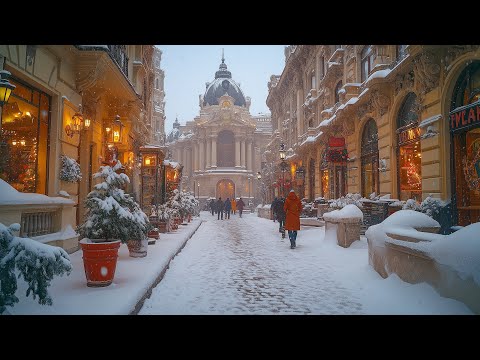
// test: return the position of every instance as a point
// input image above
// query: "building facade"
(91, 103)
(383, 119)
(221, 149)
(157, 135)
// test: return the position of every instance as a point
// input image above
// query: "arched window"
(226, 149)
(370, 180)
(465, 158)
(157, 86)
(409, 151)
(313, 82)
(366, 62)
(337, 91)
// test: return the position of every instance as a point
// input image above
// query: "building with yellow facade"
(384, 119)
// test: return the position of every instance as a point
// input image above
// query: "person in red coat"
(293, 209)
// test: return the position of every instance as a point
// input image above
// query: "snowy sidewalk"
(133, 279)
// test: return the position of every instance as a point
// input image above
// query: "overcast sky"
(188, 67)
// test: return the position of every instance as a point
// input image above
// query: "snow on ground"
(133, 276)
(242, 266)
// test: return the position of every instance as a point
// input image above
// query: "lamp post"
(198, 192)
(6, 89)
(259, 178)
(283, 166)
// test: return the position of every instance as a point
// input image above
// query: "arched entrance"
(225, 189)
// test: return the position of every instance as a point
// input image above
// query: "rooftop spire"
(222, 69)
(223, 57)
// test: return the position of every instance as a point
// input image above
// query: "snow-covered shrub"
(347, 200)
(110, 213)
(432, 206)
(70, 170)
(38, 263)
(163, 212)
(411, 204)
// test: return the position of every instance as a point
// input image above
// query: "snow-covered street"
(242, 266)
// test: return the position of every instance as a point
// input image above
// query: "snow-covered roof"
(380, 74)
(430, 120)
(173, 164)
(10, 196)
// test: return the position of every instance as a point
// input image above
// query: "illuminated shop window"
(25, 129)
(409, 151)
(369, 173)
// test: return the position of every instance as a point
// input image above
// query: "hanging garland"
(70, 170)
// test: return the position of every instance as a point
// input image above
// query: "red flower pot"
(99, 261)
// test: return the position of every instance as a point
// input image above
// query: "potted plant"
(163, 215)
(107, 224)
(138, 242)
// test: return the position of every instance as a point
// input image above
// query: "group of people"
(287, 212)
(227, 206)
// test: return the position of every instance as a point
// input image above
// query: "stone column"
(201, 154)
(237, 152)
(249, 154)
(184, 157)
(195, 157)
(189, 162)
(214, 151)
(300, 101)
(178, 157)
(243, 153)
(209, 152)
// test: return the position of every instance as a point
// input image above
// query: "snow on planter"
(349, 211)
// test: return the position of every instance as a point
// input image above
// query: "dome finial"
(223, 57)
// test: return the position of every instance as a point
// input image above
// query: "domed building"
(221, 149)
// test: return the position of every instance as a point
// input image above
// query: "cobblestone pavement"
(241, 266)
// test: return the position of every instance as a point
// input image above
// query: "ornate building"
(384, 119)
(157, 135)
(221, 148)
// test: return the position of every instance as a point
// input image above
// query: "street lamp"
(249, 185)
(259, 178)
(198, 192)
(6, 89)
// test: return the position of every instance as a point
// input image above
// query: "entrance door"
(225, 189)
(340, 181)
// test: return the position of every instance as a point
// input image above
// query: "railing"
(119, 54)
(36, 224)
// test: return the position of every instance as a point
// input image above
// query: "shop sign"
(465, 116)
(336, 142)
(409, 135)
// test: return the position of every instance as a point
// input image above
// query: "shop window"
(369, 159)
(25, 130)
(409, 151)
(466, 150)
(324, 175)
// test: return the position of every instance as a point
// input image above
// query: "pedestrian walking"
(280, 213)
(293, 209)
(272, 207)
(240, 206)
(220, 206)
(234, 206)
(212, 206)
(228, 207)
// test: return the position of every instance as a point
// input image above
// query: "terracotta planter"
(138, 248)
(162, 226)
(99, 261)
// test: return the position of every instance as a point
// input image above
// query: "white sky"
(188, 67)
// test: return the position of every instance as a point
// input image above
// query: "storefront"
(409, 154)
(336, 157)
(369, 159)
(464, 124)
(25, 132)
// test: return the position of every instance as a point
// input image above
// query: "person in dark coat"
(220, 206)
(228, 207)
(293, 209)
(212, 206)
(240, 206)
(280, 211)
(273, 207)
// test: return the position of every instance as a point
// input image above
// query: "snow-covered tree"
(38, 263)
(111, 214)
(70, 170)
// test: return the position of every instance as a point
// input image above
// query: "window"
(369, 161)
(337, 91)
(366, 62)
(409, 151)
(226, 149)
(157, 86)
(313, 83)
(25, 129)
(401, 51)
(311, 178)
(465, 159)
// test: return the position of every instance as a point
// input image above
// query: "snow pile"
(10, 196)
(63, 193)
(348, 211)
(346, 200)
(460, 250)
(68, 233)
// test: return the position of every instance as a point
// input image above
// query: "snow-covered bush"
(38, 263)
(347, 200)
(411, 204)
(70, 170)
(111, 214)
(430, 206)
(163, 212)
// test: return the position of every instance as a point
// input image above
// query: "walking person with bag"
(293, 209)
